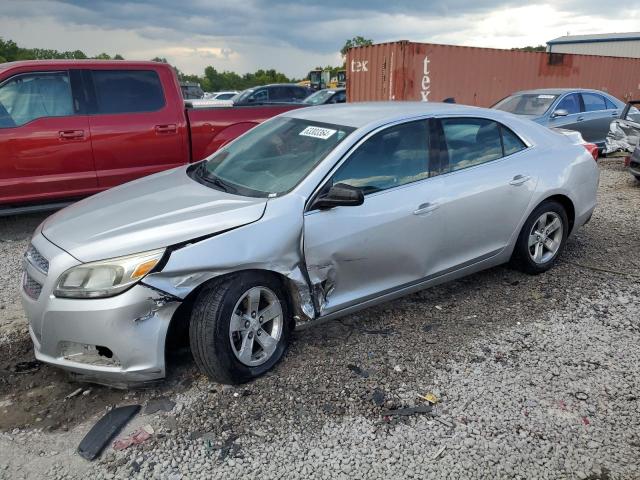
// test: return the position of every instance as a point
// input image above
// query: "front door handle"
(519, 180)
(425, 208)
(71, 134)
(172, 128)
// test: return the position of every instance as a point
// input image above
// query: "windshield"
(242, 96)
(318, 98)
(526, 103)
(271, 158)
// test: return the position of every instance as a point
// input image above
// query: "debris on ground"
(404, 412)
(26, 367)
(429, 397)
(358, 371)
(75, 393)
(104, 430)
(136, 438)
(159, 404)
(378, 397)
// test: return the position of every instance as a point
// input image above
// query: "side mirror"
(340, 195)
(561, 112)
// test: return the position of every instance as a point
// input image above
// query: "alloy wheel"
(545, 237)
(256, 326)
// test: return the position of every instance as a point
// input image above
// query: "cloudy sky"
(294, 35)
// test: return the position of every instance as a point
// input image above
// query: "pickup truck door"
(138, 126)
(45, 144)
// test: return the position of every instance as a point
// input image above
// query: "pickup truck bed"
(72, 128)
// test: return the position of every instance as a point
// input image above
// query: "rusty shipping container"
(478, 76)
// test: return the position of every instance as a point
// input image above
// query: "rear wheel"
(541, 239)
(240, 327)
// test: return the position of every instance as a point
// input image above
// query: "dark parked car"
(326, 96)
(587, 111)
(276, 93)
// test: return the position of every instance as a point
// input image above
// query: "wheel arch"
(568, 206)
(178, 330)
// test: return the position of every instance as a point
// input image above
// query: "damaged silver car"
(314, 214)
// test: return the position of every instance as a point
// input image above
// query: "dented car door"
(354, 253)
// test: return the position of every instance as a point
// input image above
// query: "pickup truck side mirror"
(561, 112)
(340, 195)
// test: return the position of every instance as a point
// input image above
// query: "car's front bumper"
(117, 341)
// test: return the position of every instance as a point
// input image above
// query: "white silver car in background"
(314, 214)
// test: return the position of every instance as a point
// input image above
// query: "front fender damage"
(273, 243)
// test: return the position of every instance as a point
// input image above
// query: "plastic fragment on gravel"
(104, 430)
(404, 412)
(136, 438)
(358, 371)
(429, 397)
(163, 404)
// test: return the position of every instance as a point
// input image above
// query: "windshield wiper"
(204, 174)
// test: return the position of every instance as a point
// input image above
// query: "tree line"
(212, 80)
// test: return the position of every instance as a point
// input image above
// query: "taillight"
(592, 148)
(627, 160)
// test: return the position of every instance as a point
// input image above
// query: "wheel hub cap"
(256, 326)
(545, 237)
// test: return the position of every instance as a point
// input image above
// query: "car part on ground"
(313, 236)
(104, 430)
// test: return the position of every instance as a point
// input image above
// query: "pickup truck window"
(29, 96)
(127, 91)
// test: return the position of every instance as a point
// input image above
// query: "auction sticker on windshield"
(317, 132)
(546, 96)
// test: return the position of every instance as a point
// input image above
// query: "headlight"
(106, 278)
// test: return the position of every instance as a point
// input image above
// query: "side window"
(633, 115)
(339, 97)
(471, 141)
(30, 96)
(278, 94)
(260, 95)
(511, 143)
(610, 104)
(570, 103)
(393, 157)
(299, 93)
(593, 102)
(127, 91)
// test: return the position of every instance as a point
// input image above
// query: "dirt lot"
(536, 377)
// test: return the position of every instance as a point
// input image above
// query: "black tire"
(210, 324)
(521, 259)
(637, 177)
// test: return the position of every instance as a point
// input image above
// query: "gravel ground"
(535, 377)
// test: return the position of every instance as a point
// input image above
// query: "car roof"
(361, 114)
(558, 91)
(83, 63)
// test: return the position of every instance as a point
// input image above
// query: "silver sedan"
(317, 213)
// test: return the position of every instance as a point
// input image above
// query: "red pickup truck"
(69, 129)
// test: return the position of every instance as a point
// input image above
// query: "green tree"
(103, 56)
(358, 41)
(539, 48)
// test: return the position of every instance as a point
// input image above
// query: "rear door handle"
(71, 134)
(171, 128)
(519, 180)
(579, 119)
(615, 114)
(425, 208)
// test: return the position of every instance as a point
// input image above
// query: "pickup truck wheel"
(240, 327)
(541, 239)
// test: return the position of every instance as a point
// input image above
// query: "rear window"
(526, 103)
(127, 91)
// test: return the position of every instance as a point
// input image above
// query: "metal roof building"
(606, 44)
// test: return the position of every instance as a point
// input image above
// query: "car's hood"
(152, 212)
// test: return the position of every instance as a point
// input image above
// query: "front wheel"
(240, 327)
(541, 239)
